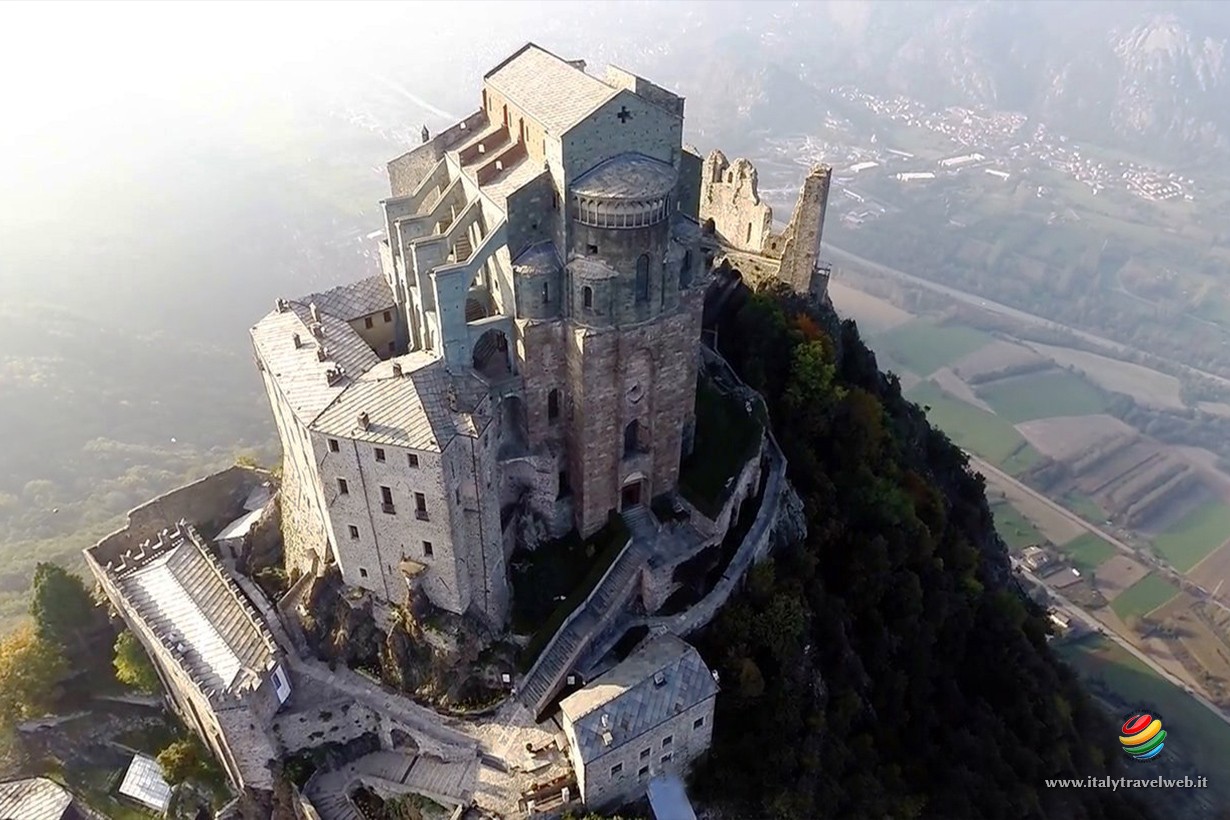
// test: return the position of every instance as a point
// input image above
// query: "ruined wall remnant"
(800, 243)
(731, 198)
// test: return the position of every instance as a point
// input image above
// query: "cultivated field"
(1117, 574)
(995, 357)
(1199, 641)
(985, 434)
(924, 346)
(1143, 597)
(1213, 573)
(1088, 551)
(1147, 386)
(1196, 535)
(873, 314)
(953, 385)
(1042, 395)
(1062, 437)
(1057, 528)
(1016, 530)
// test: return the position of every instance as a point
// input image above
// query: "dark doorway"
(631, 495)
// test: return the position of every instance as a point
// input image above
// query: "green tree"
(61, 606)
(183, 760)
(133, 666)
(30, 669)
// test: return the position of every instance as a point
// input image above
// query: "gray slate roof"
(411, 410)
(36, 798)
(538, 259)
(550, 90)
(356, 300)
(298, 372)
(627, 176)
(183, 595)
(632, 700)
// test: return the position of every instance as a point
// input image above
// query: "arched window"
(642, 278)
(632, 434)
(546, 293)
(749, 233)
(587, 297)
(553, 404)
(685, 270)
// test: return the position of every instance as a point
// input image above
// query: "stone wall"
(730, 196)
(691, 166)
(340, 721)
(801, 239)
(649, 130)
(408, 170)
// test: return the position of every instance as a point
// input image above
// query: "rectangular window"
(386, 500)
(666, 741)
(553, 405)
(354, 532)
(367, 323)
(645, 753)
(420, 506)
(666, 758)
(379, 454)
(362, 572)
(388, 316)
(592, 250)
(427, 549)
(617, 770)
(333, 445)
(564, 489)
(343, 486)
(413, 459)
(699, 722)
(644, 771)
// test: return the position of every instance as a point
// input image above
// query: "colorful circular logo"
(1142, 736)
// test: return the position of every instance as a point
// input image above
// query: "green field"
(1199, 532)
(983, 433)
(1084, 506)
(1014, 528)
(1196, 734)
(1144, 596)
(1042, 395)
(922, 346)
(1087, 551)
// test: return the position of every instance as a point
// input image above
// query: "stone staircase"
(336, 806)
(589, 619)
(462, 249)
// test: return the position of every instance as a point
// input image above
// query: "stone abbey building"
(527, 359)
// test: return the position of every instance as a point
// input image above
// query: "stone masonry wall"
(730, 196)
(408, 170)
(801, 248)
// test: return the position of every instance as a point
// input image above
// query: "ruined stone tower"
(801, 240)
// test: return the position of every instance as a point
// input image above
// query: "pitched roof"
(35, 798)
(661, 679)
(356, 300)
(412, 410)
(298, 371)
(549, 89)
(182, 594)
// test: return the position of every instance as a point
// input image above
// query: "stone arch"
(633, 432)
(587, 297)
(633, 491)
(642, 278)
(491, 355)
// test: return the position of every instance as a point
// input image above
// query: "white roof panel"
(144, 783)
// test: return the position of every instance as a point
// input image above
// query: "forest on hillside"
(889, 665)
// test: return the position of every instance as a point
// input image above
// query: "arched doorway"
(632, 493)
(491, 357)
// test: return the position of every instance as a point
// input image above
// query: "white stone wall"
(600, 788)
(371, 561)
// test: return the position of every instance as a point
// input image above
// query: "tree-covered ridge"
(888, 666)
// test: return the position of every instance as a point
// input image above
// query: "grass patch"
(1088, 551)
(567, 568)
(1144, 596)
(726, 438)
(922, 346)
(1043, 395)
(978, 431)
(1195, 535)
(1084, 506)
(1112, 673)
(1017, 531)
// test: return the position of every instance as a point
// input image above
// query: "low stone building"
(220, 666)
(650, 715)
(38, 798)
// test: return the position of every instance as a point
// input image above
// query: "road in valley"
(838, 255)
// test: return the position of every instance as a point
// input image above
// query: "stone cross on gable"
(624, 114)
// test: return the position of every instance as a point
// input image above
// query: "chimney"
(298, 341)
(364, 420)
(315, 312)
(281, 305)
(321, 353)
(397, 369)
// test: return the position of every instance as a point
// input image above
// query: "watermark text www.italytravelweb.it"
(1114, 783)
